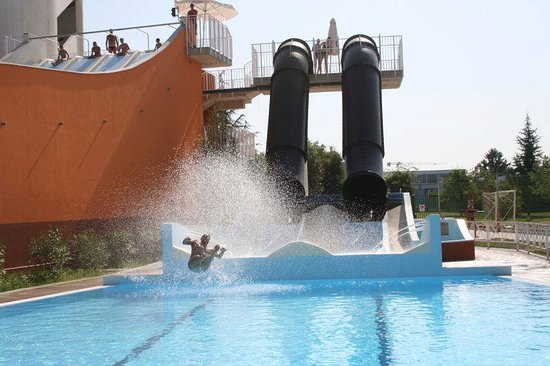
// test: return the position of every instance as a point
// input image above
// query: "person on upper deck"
(157, 44)
(111, 42)
(123, 48)
(317, 50)
(192, 25)
(62, 55)
(96, 50)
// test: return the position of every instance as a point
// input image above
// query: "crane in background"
(408, 165)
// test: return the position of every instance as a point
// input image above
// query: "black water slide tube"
(364, 190)
(286, 150)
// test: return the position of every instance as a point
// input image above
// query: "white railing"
(8, 44)
(237, 140)
(228, 78)
(531, 235)
(261, 66)
(128, 33)
(389, 47)
(204, 31)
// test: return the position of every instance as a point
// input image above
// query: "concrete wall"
(121, 133)
(425, 260)
(37, 17)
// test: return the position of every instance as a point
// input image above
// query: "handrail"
(48, 38)
(148, 41)
(13, 41)
(205, 31)
(261, 66)
(105, 30)
(87, 42)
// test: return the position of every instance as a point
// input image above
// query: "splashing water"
(244, 210)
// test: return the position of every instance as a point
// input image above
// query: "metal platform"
(234, 88)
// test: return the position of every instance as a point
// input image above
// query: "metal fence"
(230, 139)
(389, 47)
(141, 35)
(204, 31)
(228, 78)
(8, 44)
(261, 66)
(531, 235)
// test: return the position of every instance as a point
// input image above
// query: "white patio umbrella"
(332, 39)
(215, 9)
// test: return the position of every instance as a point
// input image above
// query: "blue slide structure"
(364, 192)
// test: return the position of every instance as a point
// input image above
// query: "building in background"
(428, 182)
(19, 18)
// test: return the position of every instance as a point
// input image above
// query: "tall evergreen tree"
(529, 154)
(456, 189)
(494, 162)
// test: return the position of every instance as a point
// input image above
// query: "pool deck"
(527, 267)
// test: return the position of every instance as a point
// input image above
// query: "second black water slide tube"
(364, 190)
(286, 149)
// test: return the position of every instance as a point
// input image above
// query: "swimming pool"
(422, 321)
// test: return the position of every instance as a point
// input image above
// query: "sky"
(472, 69)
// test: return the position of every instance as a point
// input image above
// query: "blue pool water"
(475, 321)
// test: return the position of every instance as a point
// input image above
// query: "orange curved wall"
(121, 133)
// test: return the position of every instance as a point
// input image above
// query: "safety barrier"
(390, 49)
(206, 32)
(529, 235)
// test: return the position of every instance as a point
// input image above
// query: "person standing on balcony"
(317, 49)
(322, 56)
(111, 42)
(192, 25)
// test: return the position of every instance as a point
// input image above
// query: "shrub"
(121, 248)
(137, 246)
(90, 250)
(52, 250)
(2, 259)
(148, 245)
(13, 281)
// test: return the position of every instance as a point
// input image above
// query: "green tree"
(457, 187)
(493, 161)
(529, 154)
(540, 179)
(486, 171)
(219, 126)
(400, 181)
(325, 170)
